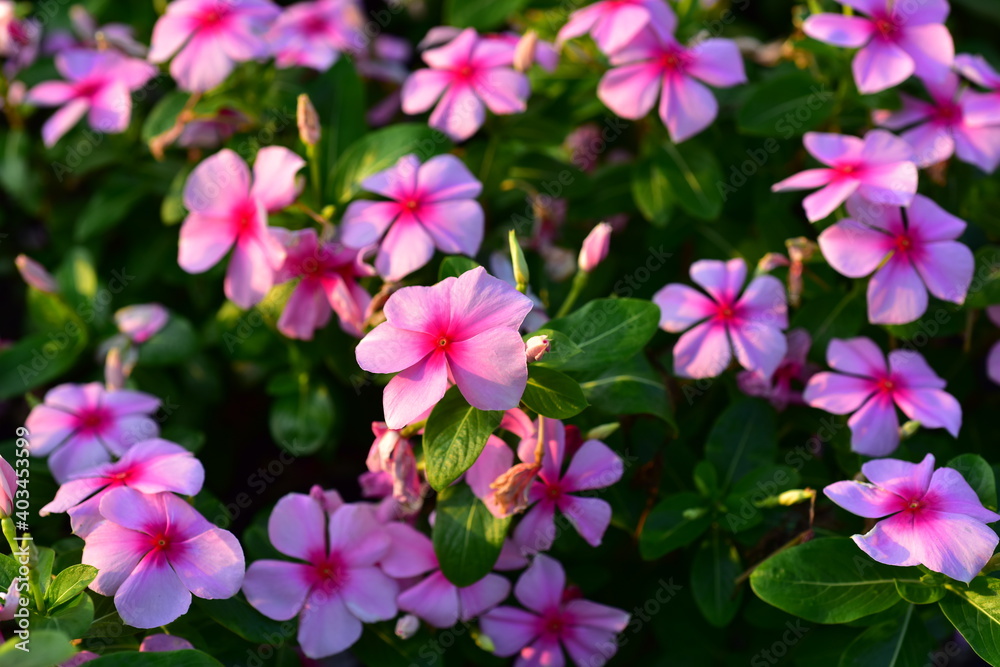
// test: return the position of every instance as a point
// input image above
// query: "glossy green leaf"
(68, 584)
(742, 438)
(467, 537)
(674, 522)
(630, 388)
(607, 331)
(302, 422)
(900, 642)
(785, 106)
(978, 473)
(186, 658)
(455, 265)
(975, 612)
(714, 571)
(455, 435)
(240, 618)
(45, 648)
(692, 175)
(553, 394)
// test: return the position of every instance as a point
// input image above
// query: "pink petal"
(326, 626)
(165, 466)
(723, 280)
(993, 363)
(306, 311)
(590, 516)
(49, 428)
(686, 107)
(890, 177)
(928, 11)
(423, 88)
(833, 149)
(423, 309)
(891, 541)
(153, 595)
(218, 184)
(124, 402)
(913, 111)
(764, 304)
(78, 454)
(210, 565)
(702, 352)
(274, 173)
(594, 466)
(885, 217)
(950, 492)
(503, 90)
(540, 587)
(169, 34)
(618, 26)
(933, 408)
(410, 552)
(582, 642)
(979, 146)
(931, 49)
(946, 268)
(414, 391)
(250, 274)
(631, 90)
(717, 62)
(880, 65)
(111, 109)
(71, 494)
(445, 177)
(510, 629)
(386, 349)
(496, 458)
(204, 241)
(370, 595)
(681, 306)
(820, 204)
(459, 114)
(63, 121)
(875, 427)
(456, 227)
(836, 393)
(435, 600)
(480, 302)
(545, 652)
(365, 222)
(398, 181)
(490, 368)
(114, 551)
(854, 249)
(864, 499)
(977, 69)
(51, 94)
(805, 180)
(856, 356)
(931, 142)
(277, 589)
(589, 614)
(911, 371)
(455, 53)
(758, 346)
(358, 536)
(537, 529)
(202, 64)
(896, 295)
(482, 596)
(847, 31)
(406, 247)
(905, 479)
(297, 527)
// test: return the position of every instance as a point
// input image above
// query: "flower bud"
(536, 347)
(603, 431)
(595, 247)
(35, 274)
(524, 52)
(407, 626)
(8, 487)
(114, 370)
(308, 121)
(521, 275)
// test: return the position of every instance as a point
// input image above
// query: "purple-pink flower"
(336, 585)
(911, 250)
(614, 24)
(879, 168)
(553, 621)
(151, 466)
(993, 360)
(863, 384)
(778, 388)
(314, 34)
(467, 75)
(98, 84)
(433, 205)
(154, 551)
(461, 330)
(80, 426)
(595, 247)
(897, 39)
(936, 520)
(750, 324)
(654, 64)
(225, 209)
(36, 275)
(392, 470)
(8, 487)
(142, 321)
(209, 38)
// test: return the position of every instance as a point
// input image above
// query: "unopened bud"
(524, 52)
(521, 275)
(603, 431)
(308, 121)
(114, 371)
(407, 626)
(796, 496)
(692, 513)
(536, 347)
(35, 274)
(908, 429)
(595, 247)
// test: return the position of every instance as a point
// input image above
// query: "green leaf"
(174, 344)
(760, 483)
(43, 567)
(109, 205)
(455, 435)
(900, 642)
(742, 438)
(692, 175)
(630, 388)
(380, 646)
(975, 612)
(553, 394)
(467, 537)
(561, 348)
(926, 592)
(45, 649)
(339, 98)
(237, 616)
(828, 580)
(163, 115)
(72, 619)
(978, 473)
(481, 16)
(785, 106)
(186, 658)
(8, 571)
(302, 422)
(674, 522)
(68, 584)
(713, 580)
(651, 192)
(985, 288)
(455, 265)
(607, 331)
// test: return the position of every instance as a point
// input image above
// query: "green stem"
(314, 176)
(10, 532)
(579, 282)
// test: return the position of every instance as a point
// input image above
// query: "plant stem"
(579, 282)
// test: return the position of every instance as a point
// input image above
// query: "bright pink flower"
(466, 73)
(99, 84)
(36, 275)
(961, 122)
(793, 368)
(863, 383)
(314, 34)
(141, 322)
(225, 209)
(879, 168)
(211, 36)
(8, 487)
(337, 587)
(161, 642)
(82, 425)
(978, 70)
(328, 275)
(897, 39)
(392, 470)
(595, 247)
(913, 249)
(435, 599)
(462, 330)
(937, 519)
(584, 629)
(614, 24)
(993, 360)
(159, 548)
(433, 205)
(653, 62)
(151, 466)
(753, 322)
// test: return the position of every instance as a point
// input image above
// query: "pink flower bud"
(8, 487)
(35, 274)
(308, 121)
(407, 626)
(536, 347)
(524, 52)
(114, 370)
(141, 322)
(595, 247)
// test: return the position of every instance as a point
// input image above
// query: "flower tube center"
(886, 27)
(159, 541)
(244, 216)
(948, 114)
(330, 572)
(93, 421)
(315, 25)
(903, 243)
(886, 385)
(674, 60)
(553, 624)
(726, 312)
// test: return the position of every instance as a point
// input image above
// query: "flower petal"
(950, 492)
(856, 356)
(880, 65)
(274, 172)
(153, 595)
(896, 295)
(490, 368)
(853, 249)
(865, 500)
(875, 427)
(370, 594)
(415, 390)
(386, 349)
(590, 516)
(297, 527)
(435, 600)
(326, 626)
(276, 589)
(686, 107)
(846, 31)
(510, 629)
(540, 587)
(702, 352)
(933, 408)
(836, 393)
(681, 306)
(630, 90)
(210, 565)
(905, 479)
(594, 466)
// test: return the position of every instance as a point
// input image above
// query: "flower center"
(314, 25)
(846, 170)
(465, 72)
(886, 27)
(673, 61)
(159, 541)
(948, 114)
(726, 312)
(411, 205)
(88, 88)
(211, 18)
(886, 385)
(903, 243)
(553, 624)
(244, 216)
(330, 572)
(442, 342)
(93, 421)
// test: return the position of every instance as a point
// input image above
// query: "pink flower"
(141, 322)
(81, 425)
(584, 629)
(653, 61)
(100, 85)
(435, 599)
(595, 247)
(462, 330)
(337, 587)
(157, 548)
(8, 487)
(614, 24)
(151, 466)
(392, 470)
(753, 322)
(161, 642)
(865, 386)
(313, 34)
(897, 39)
(225, 209)
(879, 168)
(793, 368)
(957, 121)
(978, 70)
(211, 131)
(211, 37)
(10, 601)
(328, 275)
(36, 275)
(993, 360)
(117, 35)
(909, 258)
(432, 205)
(937, 519)
(465, 74)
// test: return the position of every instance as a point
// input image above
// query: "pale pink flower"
(614, 24)
(36, 275)
(314, 34)
(8, 487)
(142, 321)
(161, 642)
(392, 470)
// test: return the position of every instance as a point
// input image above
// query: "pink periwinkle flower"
(467, 75)
(435, 599)
(879, 168)
(911, 250)
(337, 584)
(161, 642)
(462, 330)
(863, 384)
(99, 85)
(993, 360)
(81, 425)
(36, 275)
(553, 621)
(750, 324)
(392, 470)
(897, 39)
(978, 70)
(785, 386)
(8, 487)
(314, 34)
(433, 205)
(595, 247)
(656, 65)
(328, 282)
(211, 131)
(226, 210)
(614, 24)
(209, 38)
(154, 551)
(141, 322)
(957, 122)
(936, 520)
(19, 40)
(116, 35)
(151, 466)
(10, 600)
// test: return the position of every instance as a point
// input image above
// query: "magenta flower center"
(314, 25)
(886, 27)
(914, 505)
(948, 114)
(465, 72)
(554, 624)
(329, 573)
(159, 541)
(673, 61)
(244, 216)
(211, 18)
(553, 491)
(18, 33)
(886, 385)
(903, 243)
(93, 421)
(442, 342)
(88, 88)
(726, 312)
(847, 170)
